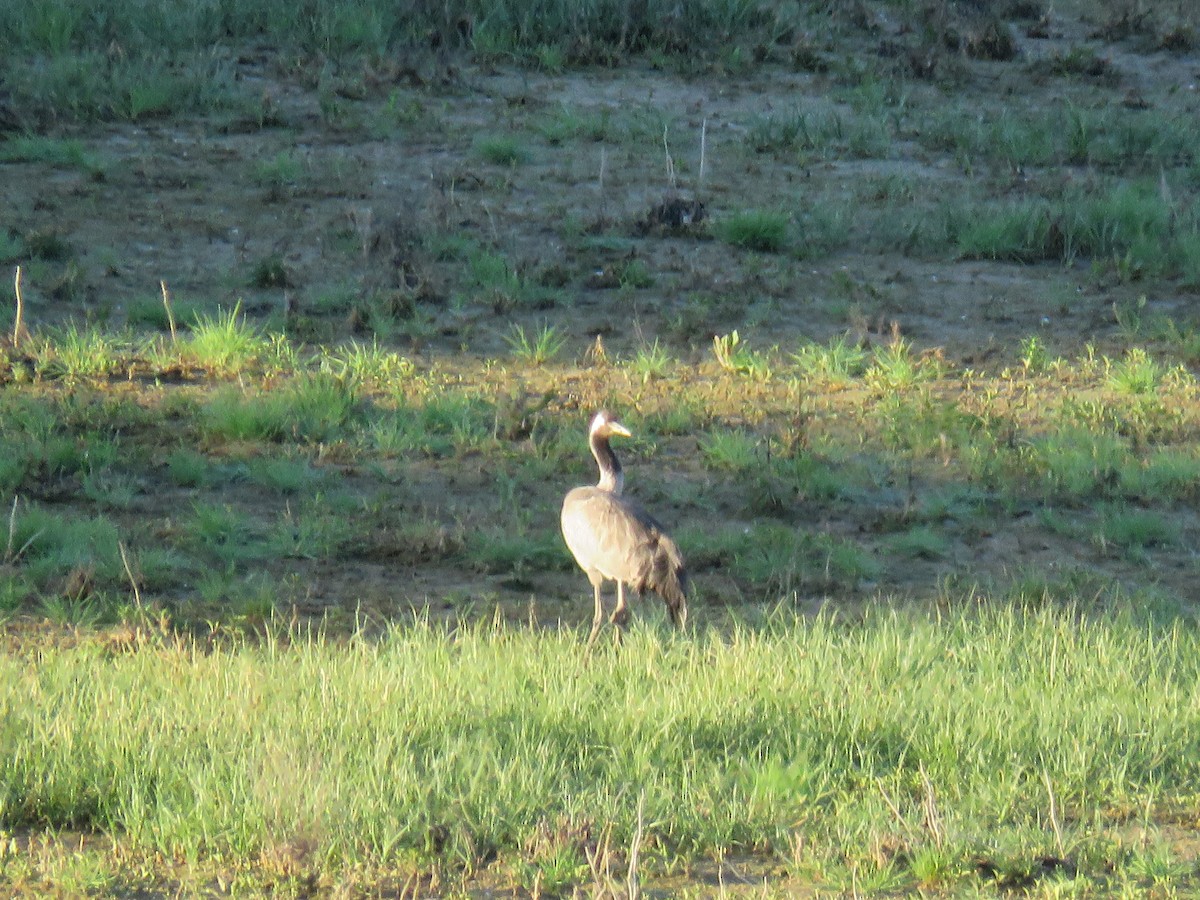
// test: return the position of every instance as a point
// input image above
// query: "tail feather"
(668, 578)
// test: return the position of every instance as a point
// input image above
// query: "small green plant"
(285, 475)
(279, 174)
(501, 150)
(1134, 530)
(736, 451)
(75, 352)
(224, 342)
(838, 362)
(270, 272)
(230, 535)
(733, 355)
(650, 361)
(66, 153)
(1033, 355)
(763, 230)
(922, 542)
(1136, 373)
(187, 468)
(539, 349)
(896, 368)
(368, 363)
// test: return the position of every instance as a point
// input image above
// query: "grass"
(765, 231)
(535, 349)
(820, 732)
(1000, 531)
(501, 150)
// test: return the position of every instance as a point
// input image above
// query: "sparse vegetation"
(287, 414)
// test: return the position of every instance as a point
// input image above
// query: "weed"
(62, 153)
(75, 352)
(838, 362)
(1136, 373)
(224, 342)
(284, 475)
(896, 368)
(1033, 355)
(734, 356)
(357, 362)
(1133, 529)
(270, 272)
(737, 451)
(501, 150)
(650, 361)
(765, 231)
(229, 535)
(187, 468)
(921, 542)
(539, 349)
(49, 244)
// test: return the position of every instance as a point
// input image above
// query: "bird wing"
(610, 535)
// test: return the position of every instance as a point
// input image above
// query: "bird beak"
(618, 428)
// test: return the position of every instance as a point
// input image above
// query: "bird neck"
(611, 477)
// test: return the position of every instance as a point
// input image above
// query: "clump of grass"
(278, 174)
(501, 150)
(650, 361)
(537, 349)
(763, 230)
(66, 153)
(224, 342)
(734, 355)
(357, 362)
(896, 368)
(310, 407)
(1136, 373)
(1134, 530)
(270, 272)
(737, 451)
(75, 352)
(187, 468)
(838, 362)
(228, 534)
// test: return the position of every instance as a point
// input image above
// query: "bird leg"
(598, 618)
(620, 615)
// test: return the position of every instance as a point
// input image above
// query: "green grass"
(821, 735)
(763, 230)
(224, 341)
(63, 153)
(501, 150)
(536, 349)
(838, 362)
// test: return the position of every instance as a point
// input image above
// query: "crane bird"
(612, 538)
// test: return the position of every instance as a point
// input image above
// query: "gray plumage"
(612, 538)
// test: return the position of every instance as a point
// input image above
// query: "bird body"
(613, 539)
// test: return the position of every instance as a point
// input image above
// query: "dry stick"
(670, 162)
(167, 303)
(1058, 838)
(17, 326)
(933, 819)
(703, 145)
(603, 196)
(9, 556)
(137, 593)
(895, 810)
(12, 528)
(633, 885)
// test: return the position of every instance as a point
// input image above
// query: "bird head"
(605, 425)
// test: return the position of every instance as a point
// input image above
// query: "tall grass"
(456, 744)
